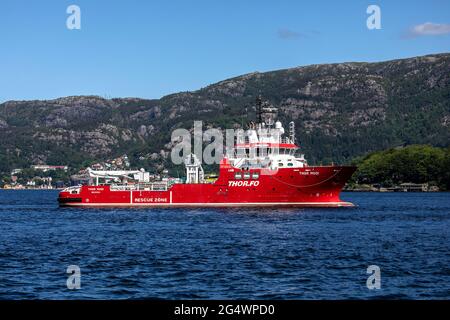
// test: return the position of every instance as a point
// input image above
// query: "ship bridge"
(263, 145)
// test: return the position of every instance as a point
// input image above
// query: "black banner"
(225, 309)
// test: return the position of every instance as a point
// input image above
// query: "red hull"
(288, 187)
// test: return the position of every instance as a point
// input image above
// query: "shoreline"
(355, 190)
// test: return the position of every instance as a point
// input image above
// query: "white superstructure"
(263, 145)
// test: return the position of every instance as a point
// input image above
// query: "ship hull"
(288, 187)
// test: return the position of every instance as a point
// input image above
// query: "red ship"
(264, 169)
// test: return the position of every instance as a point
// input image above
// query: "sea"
(390, 246)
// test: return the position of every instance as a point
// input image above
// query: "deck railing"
(157, 186)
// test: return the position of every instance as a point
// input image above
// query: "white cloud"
(430, 29)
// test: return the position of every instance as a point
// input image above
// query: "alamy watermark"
(239, 142)
(74, 280)
(73, 21)
(374, 280)
(374, 20)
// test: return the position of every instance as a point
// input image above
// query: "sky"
(149, 49)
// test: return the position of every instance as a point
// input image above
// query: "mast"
(292, 131)
(259, 105)
(265, 112)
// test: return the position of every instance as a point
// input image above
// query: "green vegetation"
(56, 175)
(416, 164)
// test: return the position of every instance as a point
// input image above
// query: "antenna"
(259, 105)
(292, 131)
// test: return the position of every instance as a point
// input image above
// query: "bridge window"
(290, 164)
(255, 175)
(238, 175)
(246, 175)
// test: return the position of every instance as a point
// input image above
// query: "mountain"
(341, 111)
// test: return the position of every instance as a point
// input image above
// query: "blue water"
(226, 253)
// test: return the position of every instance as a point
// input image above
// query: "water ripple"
(226, 253)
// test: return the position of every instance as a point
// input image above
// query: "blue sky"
(152, 48)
